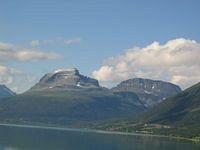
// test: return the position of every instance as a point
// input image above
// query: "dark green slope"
(183, 108)
(65, 97)
(177, 116)
(66, 107)
(180, 113)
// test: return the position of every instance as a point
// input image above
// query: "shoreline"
(77, 129)
(87, 130)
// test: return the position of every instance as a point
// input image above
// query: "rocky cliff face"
(65, 79)
(149, 91)
(5, 92)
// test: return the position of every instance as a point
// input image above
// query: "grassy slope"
(64, 107)
(179, 116)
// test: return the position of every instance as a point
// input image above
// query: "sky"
(110, 40)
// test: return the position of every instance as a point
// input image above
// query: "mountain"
(150, 92)
(5, 92)
(181, 113)
(65, 79)
(65, 97)
(177, 116)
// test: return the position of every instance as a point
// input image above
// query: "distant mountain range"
(5, 92)
(66, 97)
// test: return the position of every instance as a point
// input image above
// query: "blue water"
(30, 138)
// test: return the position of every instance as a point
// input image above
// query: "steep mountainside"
(149, 91)
(181, 113)
(5, 92)
(66, 97)
(178, 115)
(183, 109)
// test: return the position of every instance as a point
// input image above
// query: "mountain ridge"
(72, 98)
(149, 91)
(5, 91)
(176, 116)
(67, 97)
(65, 79)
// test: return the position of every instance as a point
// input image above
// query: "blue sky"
(101, 29)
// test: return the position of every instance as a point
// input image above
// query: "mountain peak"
(149, 91)
(65, 79)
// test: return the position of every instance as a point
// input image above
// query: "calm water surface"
(20, 138)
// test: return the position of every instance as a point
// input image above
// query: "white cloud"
(35, 43)
(176, 61)
(26, 55)
(15, 79)
(10, 52)
(104, 73)
(7, 75)
(58, 40)
(72, 41)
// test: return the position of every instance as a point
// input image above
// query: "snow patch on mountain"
(147, 92)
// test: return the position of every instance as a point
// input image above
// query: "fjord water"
(22, 138)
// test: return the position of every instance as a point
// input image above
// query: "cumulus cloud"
(7, 74)
(177, 61)
(10, 52)
(35, 43)
(13, 77)
(72, 41)
(58, 40)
